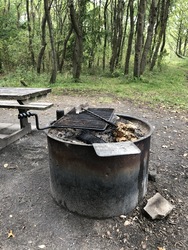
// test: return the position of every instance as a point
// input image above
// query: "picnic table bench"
(20, 99)
(29, 106)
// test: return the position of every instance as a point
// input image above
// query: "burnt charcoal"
(139, 133)
(89, 138)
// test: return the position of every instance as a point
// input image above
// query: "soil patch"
(37, 222)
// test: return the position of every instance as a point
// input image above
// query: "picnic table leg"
(23, 122)
(12, 133)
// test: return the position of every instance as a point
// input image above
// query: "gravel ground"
(37, 222)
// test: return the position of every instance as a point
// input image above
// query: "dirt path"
(37, 222)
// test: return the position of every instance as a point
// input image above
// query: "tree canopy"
(110, 35)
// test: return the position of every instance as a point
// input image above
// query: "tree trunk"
(178, 44)
(121, 8)
(117, 33)
(130, 39)
(78, 48)
(185, 44)
(18, 14)
(163, 23)
(6, 8)
(147, 46)
(139, 37)
(43, 44)
(1, 66)
(64, 49)
(125, 31)
(30, 34)
(105, 35)
(62, 32)
(52, 42)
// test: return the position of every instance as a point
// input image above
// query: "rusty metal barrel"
(100, 187)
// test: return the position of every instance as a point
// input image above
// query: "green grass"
(168, 87)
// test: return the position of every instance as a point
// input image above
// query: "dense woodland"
(59, 35)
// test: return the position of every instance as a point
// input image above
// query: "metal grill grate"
(85, 120)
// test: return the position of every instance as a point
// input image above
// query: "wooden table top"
(22, 93)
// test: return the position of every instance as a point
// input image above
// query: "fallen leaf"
(108, 233)
(123, 216)
(5, 165)
(41, 246)
(127, 222)
(144, 246)
(10, 234)
(161, 248)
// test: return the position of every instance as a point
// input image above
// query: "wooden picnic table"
(22, 94)
(20, 99)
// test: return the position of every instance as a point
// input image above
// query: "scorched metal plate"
(116, 148)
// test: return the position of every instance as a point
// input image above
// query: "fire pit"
(101, 179)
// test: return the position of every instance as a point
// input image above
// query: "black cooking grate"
(86, 120)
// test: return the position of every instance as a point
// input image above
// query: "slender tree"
(161, 32)
(43, 44)
(77, 22)
(30, 32)
(105, 33)
(65, 48)
(47, 8)
(150, 30)
(130, 39)
(139, 37)
(117, 32)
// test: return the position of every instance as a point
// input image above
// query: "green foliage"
(15, 50)
(168, 88)
(8, 32)
(178, 27)
(29, 77)
(7, 25)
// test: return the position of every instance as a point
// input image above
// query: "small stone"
(42, 246)
(144, 245)
(127, 223)
(123, 216)
(152, 174)
(158, 207)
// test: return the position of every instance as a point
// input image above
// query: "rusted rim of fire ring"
(150, 131)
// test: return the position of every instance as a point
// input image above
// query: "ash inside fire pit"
(125, 130)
